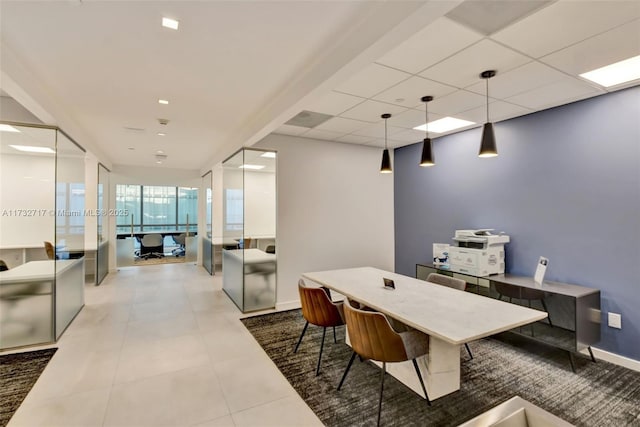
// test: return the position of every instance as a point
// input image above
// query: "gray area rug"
(599, 394)
(18, 373)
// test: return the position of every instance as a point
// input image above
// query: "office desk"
(450, 317)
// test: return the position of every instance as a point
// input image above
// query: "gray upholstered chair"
(450, 282)
(318, 309)
(372, 337)
(152, 246)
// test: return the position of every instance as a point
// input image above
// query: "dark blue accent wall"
(566, 185)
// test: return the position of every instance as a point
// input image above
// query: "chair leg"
(468, 350)
(382, 372)
(324, 332)
(301, 335)
(591, 353)
(424, 389)
(334, 335)
(344, 376)
(544, 305)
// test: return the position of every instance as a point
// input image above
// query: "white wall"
(334, 209)
(260, 204)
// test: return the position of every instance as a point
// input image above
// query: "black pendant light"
(488, 144)
(385, 167)
(427, 149)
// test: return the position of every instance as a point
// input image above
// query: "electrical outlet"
(615, 320)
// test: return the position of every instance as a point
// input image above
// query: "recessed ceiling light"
(159, 162)
(32, 149)
(615, 74)
(269, 155)
(444, 125)
(7, 128)
(160, 152)
(170, 23)
(163, 102)
(161, 134)
(254, 167)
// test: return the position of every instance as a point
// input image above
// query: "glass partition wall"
(102, 257)
(42, 240)
(207, 242)
(249, 216)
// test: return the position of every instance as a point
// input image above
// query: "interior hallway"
(161, 345)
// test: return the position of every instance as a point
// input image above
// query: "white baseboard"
(287, 305)
(614, 358)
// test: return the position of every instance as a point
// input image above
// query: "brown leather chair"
(318, 309)
(372, 337)
(450, 282)
(50, 250)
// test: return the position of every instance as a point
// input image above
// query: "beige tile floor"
(161, 345)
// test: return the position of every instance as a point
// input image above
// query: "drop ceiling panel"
(498, 110)
(335, 103)
(290, 130)
(464, 68)
(489, 16)
(370, 111)
(409, 136)
(521, 79)
(373, 79)
(426, 47)
(412, 118)
(562, 92)
(323, 134)
(565, 23)
(340, 124)
(377, 130)
(355, 139)
(409, 92)
(607, 48)
(458, 101)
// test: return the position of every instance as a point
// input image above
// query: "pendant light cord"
(426, 118)
(385, 134)
(487, 80)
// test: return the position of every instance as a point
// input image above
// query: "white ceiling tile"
(456, 102)
(340, 124)
(377, 130)
(412, 118)
(409, 136)
(565, 23)
(355, 139)
(464, 68)
(521, 79)
(334, 103)
(373, 79)
(426, 47)
(370, 111)
(323, 134)
(604, 49)
(498, 111)
(290, 130)
(562, 92)
(409, 92)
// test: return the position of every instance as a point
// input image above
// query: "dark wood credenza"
(573, 322)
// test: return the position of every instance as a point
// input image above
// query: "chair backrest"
(372, 337)
(180, 239)
(317, 307)
(271, 249)
(451, 282)
(152, 240)
(3, 266)
(50, 250)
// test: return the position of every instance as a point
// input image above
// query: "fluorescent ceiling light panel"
(170, 23)
(32, 149)
(615, 74)
(253, 167)
(161, 134)
(269, 155)
(163, 102)
(444, 125)
(7, 128)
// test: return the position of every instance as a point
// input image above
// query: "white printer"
(478, 252)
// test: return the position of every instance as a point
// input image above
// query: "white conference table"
(449, 316)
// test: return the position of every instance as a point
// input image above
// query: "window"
(153, 208)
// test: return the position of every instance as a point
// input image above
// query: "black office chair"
(152, 246)
(179, 240)
(271, 249)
